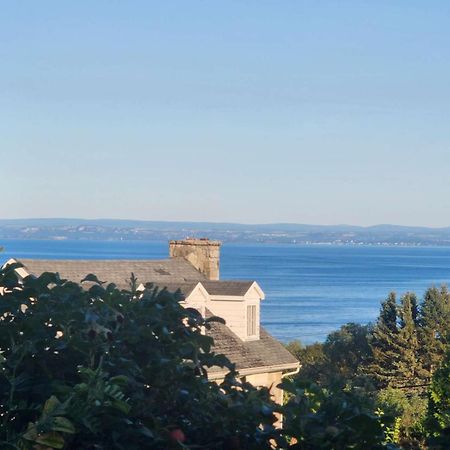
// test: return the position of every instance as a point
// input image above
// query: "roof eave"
(255, 370)
(227, 298)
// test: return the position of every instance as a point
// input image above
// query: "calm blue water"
(310, 290)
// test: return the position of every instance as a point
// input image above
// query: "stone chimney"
(203, 254)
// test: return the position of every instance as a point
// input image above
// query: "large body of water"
(310, 290)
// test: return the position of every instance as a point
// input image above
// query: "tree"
(434, 327)
(395, 345)
(408, 366)
(383, 344)
(347, 350)
(338, 360)
(313, 362)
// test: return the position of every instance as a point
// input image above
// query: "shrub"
(320, 419)
(409, 411)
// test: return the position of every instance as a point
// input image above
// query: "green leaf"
(121, 380)
(31, 432)
(122, 406)
(64, 425)
(51, 404)
(52, 440)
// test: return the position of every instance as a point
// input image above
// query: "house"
(193, 268)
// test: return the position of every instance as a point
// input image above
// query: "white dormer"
(239, 304)
(197, 299)
(195, 295)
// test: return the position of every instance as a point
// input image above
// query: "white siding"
(235, 315)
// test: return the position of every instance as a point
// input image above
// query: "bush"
(320, 419)
(438, 414)
(409, 411)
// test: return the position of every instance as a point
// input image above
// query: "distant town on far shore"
(283, 233)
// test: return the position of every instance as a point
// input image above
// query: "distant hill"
(117, 229)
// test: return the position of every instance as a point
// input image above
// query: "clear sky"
(245, 111)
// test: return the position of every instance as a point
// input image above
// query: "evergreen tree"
(434, 327)
(388, 314)
(396, 347)
(383, 344)
(409, 369)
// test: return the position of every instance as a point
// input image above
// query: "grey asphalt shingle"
(265, 352)
(161, 272)
(171, 273)
(223, 287)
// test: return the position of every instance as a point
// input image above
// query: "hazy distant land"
(110, 229)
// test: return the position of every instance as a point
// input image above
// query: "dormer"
(197, 298)
(193, 292)
(238, 302)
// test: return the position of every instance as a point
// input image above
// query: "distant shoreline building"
(193, 268)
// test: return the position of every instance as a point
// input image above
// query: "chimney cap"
(195, 241)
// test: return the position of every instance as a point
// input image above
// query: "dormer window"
(238, 302)
(251, 320)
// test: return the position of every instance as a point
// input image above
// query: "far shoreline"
(236, 242)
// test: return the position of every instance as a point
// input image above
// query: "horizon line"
(207, 222)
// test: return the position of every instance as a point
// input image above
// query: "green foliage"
(396, 349)
(99, 368)
(408, 342)
(336, 362)
(312, 359)
(347, 349)
(434, 327)
(383, 343)
(317, 418)
(409, 369)
(409, 412)
(438, 415)
(391, 364)
(295, 347)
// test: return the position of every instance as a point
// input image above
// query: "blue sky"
(245, 111)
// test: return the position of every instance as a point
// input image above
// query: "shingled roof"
(249, 356)
(185, 288)
(173, 274)
(234, 288)
(161, 272)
